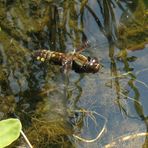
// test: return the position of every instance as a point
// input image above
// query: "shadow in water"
(124, 93)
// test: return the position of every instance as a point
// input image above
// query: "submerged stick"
(125, 138)
(26, 139)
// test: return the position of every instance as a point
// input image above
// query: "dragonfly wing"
(82, 47)
(66, 65)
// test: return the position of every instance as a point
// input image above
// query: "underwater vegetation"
(67, 109)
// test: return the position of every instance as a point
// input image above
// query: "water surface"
(56, 109)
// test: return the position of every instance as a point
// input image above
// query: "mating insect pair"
(73, 60)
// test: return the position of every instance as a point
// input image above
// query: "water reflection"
(124, 93)
(37, 92)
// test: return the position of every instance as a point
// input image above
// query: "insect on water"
(73, 60)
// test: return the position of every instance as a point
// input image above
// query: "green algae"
(134, 33)
(36, 24)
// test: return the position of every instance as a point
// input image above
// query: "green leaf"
(9, 131)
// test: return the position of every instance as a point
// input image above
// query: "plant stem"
(26, 139)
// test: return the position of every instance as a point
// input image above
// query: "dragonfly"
(73, 60)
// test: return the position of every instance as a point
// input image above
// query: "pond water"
(107, 109)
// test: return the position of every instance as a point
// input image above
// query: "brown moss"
(43, 133)
(7, 104)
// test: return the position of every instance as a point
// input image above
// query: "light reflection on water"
(42, 94)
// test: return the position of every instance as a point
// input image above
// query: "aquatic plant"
(28, 87)
(10, 131)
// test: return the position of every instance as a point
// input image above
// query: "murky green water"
(57, 111)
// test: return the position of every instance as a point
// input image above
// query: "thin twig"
(125, 138)
(141, 82)
(26, 139)
(138, 72)
(99, 134)
(130, 98)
